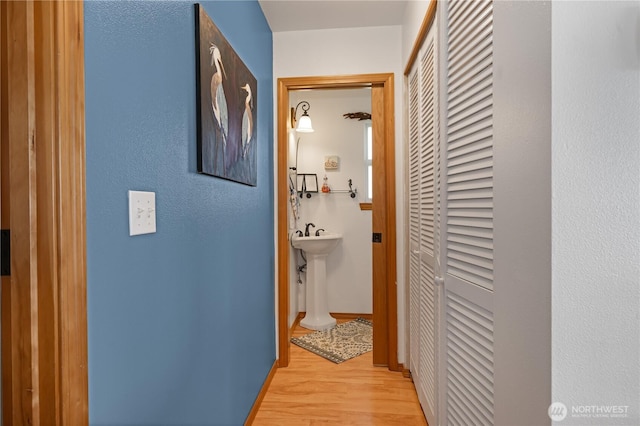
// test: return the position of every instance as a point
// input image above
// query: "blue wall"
(181, 322)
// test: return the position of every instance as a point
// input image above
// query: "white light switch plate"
(142, 212)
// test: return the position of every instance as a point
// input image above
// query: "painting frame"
(226, 106)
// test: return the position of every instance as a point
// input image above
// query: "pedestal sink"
(316, 250)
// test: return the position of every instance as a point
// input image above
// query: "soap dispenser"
(325, 186)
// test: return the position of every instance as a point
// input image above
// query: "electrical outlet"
(142, 212)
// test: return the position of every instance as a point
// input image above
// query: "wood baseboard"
(405, 372)
(399, 368)
(265, 387)
(338, 315)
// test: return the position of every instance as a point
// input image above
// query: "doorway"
(383, 209)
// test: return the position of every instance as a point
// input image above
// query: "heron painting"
(226, 107)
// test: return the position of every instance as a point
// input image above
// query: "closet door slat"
(468, 174)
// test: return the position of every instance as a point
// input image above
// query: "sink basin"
(321, 244)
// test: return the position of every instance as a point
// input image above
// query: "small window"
(368, 161)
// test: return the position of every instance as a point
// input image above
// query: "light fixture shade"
(304, 124)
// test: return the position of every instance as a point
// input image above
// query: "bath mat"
(341, 343)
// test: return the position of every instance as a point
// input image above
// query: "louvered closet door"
(423, 140)
(414, 229)
(428, 139)
(468, 282)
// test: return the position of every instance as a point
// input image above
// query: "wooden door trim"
(7, 412)
(390, 316)
(71, 228)
(390, 231)
(379, 251)
(53, 387)
(23, 389)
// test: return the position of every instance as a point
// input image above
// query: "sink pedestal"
(317, 316)
(316, 250)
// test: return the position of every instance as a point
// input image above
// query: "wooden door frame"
(44, 367)
(385, 311)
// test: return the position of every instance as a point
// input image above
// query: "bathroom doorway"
(332, 155)
(383, 209)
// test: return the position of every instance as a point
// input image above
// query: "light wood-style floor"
(314, 391)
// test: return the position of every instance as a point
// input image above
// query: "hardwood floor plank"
(313, 391)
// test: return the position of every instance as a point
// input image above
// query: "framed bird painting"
(226, 107)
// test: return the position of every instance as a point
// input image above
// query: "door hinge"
(377, 237)
(5, 252)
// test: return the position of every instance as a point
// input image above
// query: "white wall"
(596, 207)
(354, 51)
(522, 211)
(414, 13)
(349, 267)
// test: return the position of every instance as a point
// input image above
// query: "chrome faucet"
(306, 229)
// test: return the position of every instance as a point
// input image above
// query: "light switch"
(142, 212)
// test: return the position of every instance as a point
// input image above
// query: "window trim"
(368, 162)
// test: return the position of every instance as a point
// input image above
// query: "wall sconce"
(304, 124)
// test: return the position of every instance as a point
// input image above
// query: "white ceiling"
(299, 15)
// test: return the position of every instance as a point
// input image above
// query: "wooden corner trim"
(366, 206)
(73, 271)
(392, 284)
(422, 33)
(282, 227)
(265, 387)
(406, 373)
(295, 323)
